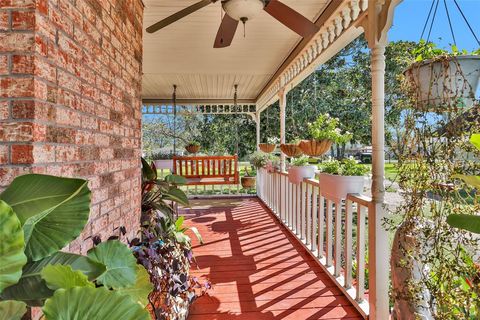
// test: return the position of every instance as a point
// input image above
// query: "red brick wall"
(70, 81)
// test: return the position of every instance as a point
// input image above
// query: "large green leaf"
(176, 179)
(12, 310)
(147, 171)
(142, 288)
(474, 181)
(12, 258)
(52, 210)
(84, 303)
(465, 222)
(177, 196)
(64, 277)
(475, 140)
(33, 290)
(120, 263)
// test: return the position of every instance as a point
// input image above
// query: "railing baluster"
(299, 210)
(303, 208)
(338, 237)
(329, 228)
(321, 225)
(360, 253)
(348, 243)
(313, 239)
(308, 206)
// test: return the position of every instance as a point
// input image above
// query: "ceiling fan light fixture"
(242, 10)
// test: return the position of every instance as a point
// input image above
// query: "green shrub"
(347, 167)
(300, 161)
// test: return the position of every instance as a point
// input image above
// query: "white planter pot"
(164, 164)
(297, 174)
(337, 187)
(440, 83)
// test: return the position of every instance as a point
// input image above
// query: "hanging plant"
(324, 132)
(291, 150)
(439, 80)
(193, 147)
(270, 146)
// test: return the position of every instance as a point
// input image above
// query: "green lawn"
(391, 170)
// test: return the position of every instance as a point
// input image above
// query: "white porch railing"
(325, 227)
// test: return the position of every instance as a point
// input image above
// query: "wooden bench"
(207, 170)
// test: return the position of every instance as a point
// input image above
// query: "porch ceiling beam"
(195, 102)
(339, 26)
(332, 6)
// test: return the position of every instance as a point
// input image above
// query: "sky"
(410, 17)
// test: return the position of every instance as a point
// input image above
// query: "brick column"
(70, 82)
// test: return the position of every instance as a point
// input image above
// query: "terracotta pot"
(191, 148)
(315, 148)
(297, 174)
(248, 182)
(291, 150)
(439, 83)
(267, 147)
(337, 187)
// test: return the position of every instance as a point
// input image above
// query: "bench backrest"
(200, 167)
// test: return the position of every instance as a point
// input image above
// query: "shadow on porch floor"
(257, 269)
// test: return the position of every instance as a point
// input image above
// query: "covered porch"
(329, 235)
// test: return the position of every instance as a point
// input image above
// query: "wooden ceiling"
(183, 53)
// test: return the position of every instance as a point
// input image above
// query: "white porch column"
(282, 95)
(379, 249)
(257, 121)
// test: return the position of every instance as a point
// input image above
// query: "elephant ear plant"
(466, 221)
(39, 215)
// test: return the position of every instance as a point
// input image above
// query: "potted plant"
(249, 180)
(163, 160)
(300, 169)
(193, 147)
(270, 146)
(442, 79)
(339, 178)
(323, 132)
(291, 150)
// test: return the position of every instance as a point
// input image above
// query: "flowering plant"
(326, 128)
(273, 140)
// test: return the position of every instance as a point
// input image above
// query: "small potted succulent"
(339, 178)
(270, 146)
(291, 149)
(323, 132)
(163, 160)
(439, 79)
(300, 168)
(193, 147)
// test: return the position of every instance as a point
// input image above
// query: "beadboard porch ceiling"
(183, 54)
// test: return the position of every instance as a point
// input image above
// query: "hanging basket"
(315, 148)
(267, 147)
(192, 148)
(291, 150)
(444, 83)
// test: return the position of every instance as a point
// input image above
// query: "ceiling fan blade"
(291, 18)
(179, 15)
(226, 32)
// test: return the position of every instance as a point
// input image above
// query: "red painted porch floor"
(257, 269)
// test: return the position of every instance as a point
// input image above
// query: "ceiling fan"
(244, 10)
